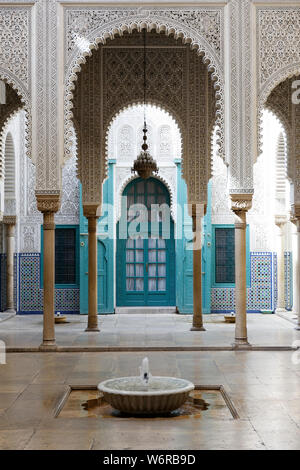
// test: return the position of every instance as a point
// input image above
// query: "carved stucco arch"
(278, 77)
(193, 92)
(25, 104)
(141, 20)
(286, 131)
(281, 111)
(160, 178)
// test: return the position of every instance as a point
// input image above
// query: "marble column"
(90, 213)
(197, 214)
(295, 237)
(49, 205)
(10, 222)
(296, 293)
(240, 205)
(280, 221)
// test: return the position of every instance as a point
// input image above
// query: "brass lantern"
(145, 165)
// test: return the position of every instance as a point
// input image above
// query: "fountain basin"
(132, 396)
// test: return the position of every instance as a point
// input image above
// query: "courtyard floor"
(264, 387)
(126, 331)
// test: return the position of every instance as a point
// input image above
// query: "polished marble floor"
(148, 330)
(263, 385)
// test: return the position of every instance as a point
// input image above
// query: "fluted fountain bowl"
(132, 396)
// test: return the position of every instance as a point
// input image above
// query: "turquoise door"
(146, 263)
(102, 277)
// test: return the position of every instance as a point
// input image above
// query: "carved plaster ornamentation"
(126, 142)
(179, 82)
(30, 238)
(7, 111)
(48, 202)
(69, 210)
(15, 43)
(88, 27)
(10, 207)
(281, 104)
(15, 62)
(241, 202)
(296, 211)
(46, 131)
(241, 141)
(10, 219)
(278, 51)
(165, 142)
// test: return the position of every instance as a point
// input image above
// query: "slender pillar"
(10, 222)
(280, 221)
(297, 281)
(48, 205)
(295, 235)
(240, 208)
(91, 214)
(197, 214)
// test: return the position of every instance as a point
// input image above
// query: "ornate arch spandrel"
(279, 101)
(278, 51)
(178, 82)
(201, 27)
(18, 100)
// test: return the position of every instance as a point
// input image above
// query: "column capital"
(91, 210)
(48, 202)
(295, 213)
(10, 219)
(280, 220)
(241, 202)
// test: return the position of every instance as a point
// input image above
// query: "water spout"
(145, 371)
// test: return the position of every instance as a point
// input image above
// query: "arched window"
(9, 169)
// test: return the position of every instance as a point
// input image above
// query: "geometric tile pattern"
(31, 294)
(288, 277)
(275, 269)
(260, 294)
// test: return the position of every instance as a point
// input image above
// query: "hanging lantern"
(145, 166)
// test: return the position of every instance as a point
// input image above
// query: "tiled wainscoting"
(288, 266)
(28, 290)
(262, 292)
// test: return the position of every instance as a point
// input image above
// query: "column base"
(94, 329)
(197, 328)
(280, 310)
(241, 344)
(48, 346)
(10, 310)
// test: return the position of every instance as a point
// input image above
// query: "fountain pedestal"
(146, 394)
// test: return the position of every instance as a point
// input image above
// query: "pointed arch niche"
(124, 141)
(111, 79)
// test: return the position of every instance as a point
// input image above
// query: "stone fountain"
(146, 394)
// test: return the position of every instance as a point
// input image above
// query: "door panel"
(146, 264)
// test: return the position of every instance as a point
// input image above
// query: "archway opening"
(124, 141)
